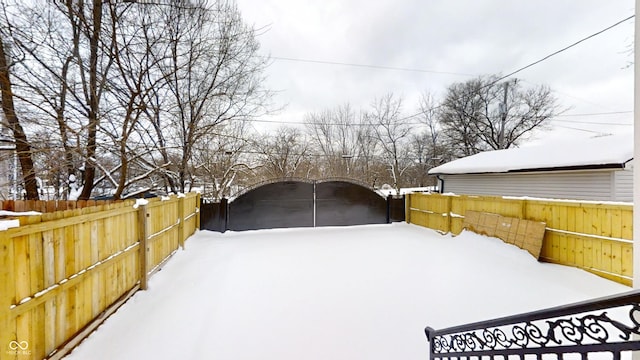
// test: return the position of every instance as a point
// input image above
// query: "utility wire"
(437, 72)
(537, 61)
(593, 122)
(369, 66)
(579, 129)
(599, 113)
(419, 123)
(590, 122)
(455, 73)
(565, 48)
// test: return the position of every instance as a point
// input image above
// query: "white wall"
(623, 185)
(636, 151)
(579, 185)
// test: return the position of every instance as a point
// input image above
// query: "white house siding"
(578, 185)
(623, 185)
(6, 162)
(6, 173)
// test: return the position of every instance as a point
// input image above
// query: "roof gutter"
(440, 184)
(548, 169)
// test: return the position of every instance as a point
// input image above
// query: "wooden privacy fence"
(63, 273)
(597, 237)
(47, 206)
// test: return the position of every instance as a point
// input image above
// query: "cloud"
(477, 37)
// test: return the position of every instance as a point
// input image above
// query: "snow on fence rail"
(63, 273)
(597, 237)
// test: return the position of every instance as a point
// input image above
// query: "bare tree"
(334, 135)
(428, 117)
(142, 82)
(44, 74)
(367, 153)
(391, 131)
(214, 75)
(428, 147)
(420, 154)
(284, 154)
(483, 114)
(22, 145)
(138, 50)
(63, 73)
(225, 160)
(457, 115)
(86, 23)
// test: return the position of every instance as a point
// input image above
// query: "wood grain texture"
(597, 237)
(61, 272)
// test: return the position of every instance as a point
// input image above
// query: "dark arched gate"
(276, 205)
(303, 204)
(343, 203)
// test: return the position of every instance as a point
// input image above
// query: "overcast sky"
(449, 41)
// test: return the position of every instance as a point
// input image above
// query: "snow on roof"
(603, 151)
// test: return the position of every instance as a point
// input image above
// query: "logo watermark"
(18, 348)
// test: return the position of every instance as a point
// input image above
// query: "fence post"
(449, 204)
(143, 235)
(389, 209)
(407, 208)
(523, 209)
(7, 292)
(181, 223)
(224, 210)
(197, 210)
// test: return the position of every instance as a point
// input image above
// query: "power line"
(291, 122)
(565, 48)
(590, 123)
(381, 67)
(568, 95)
(593, 122)
(599, 113)
(538, 61)
(579, 129)
(452, 73)
(328, 124)
(485, 86)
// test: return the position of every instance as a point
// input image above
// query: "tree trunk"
(23, 148)
(89, 168)
(62, 127)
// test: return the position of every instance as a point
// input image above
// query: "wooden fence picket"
(597, 237)
(63, 273)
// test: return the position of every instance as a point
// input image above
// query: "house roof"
(611, 151)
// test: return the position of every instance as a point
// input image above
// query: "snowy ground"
(363, 292)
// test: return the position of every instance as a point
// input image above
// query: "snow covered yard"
(363, 292)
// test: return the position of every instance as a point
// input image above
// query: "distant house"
(598, 168)
(7, 153)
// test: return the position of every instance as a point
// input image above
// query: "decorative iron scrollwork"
(580, 329)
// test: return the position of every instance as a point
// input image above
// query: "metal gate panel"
(341, 203)
(276, 205)
(213, 215)
(292, 203)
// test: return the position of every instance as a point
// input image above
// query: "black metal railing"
(605, 325)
